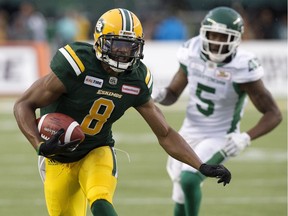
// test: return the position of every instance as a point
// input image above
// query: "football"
(50, 123)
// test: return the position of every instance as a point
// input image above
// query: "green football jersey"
(94, 98)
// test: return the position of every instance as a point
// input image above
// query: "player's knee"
(190, 180)
(99, 193)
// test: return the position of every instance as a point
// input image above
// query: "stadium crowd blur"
(58, 23)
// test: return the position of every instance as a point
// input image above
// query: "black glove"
(218, 171)
(53, 145)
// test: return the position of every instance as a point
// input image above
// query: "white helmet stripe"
(127, 20)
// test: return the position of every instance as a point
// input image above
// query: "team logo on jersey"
(223, 74)
(130, 89)
(113, 80)
(253, 64)
(93, 81)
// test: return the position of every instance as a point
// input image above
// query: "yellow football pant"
(68, 186)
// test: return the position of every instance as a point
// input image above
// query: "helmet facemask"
(121, 53)
(225, 48)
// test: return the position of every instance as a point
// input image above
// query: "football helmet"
(226, 24)
(118, 39)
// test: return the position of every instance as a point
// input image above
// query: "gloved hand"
(218, 171)
(159, 95)
(236, 143)
(53, 145)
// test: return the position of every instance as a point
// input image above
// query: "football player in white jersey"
(218, 76)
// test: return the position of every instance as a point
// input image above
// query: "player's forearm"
(25, 118)
(177, 148)
(169, 98)
(267, 123)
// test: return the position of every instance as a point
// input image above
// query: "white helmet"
(226, 22)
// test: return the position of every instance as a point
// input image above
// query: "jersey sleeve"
(146, 87)
(188, 51)
(67, 66)
(249, 69)
(183, 54)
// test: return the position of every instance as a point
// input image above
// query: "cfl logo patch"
(113, 81)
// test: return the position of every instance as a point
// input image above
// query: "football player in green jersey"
(218, 76)
(95, 85)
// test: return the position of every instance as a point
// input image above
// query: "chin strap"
(117, 70)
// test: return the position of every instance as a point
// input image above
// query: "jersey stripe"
(73, 59)
(127, 21)
(238, 111)
(149, 78)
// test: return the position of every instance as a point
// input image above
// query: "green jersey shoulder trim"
(184, 67)
(238, 108)
(73, 59)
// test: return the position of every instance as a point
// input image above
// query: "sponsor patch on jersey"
(196, 66)
(130, 89)
(93, 81)
(223, 74)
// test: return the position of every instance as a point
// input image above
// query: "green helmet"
(226, 22)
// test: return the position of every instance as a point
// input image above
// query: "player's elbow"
(278, 117)
(21, 107)
(170, 98)
(275, 117)
(16, 107)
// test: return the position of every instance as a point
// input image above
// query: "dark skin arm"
(43, 92)
(265, 104)
(168, 138)
(258, 94)
(175, 88)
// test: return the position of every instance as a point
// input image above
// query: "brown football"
(50, 123)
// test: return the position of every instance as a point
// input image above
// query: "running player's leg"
(63, 193)
(98, 179)
(208, 151)
(174, 171)
(191, 186)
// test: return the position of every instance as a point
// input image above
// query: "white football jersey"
(216, 104)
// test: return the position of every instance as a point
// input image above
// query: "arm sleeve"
(250, 70)
(146, 88)
(64, 71)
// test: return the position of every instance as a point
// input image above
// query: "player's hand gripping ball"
(60, 133)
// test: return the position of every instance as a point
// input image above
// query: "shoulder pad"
(247, 67)
(190, 48)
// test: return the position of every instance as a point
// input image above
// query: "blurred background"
(59, 21)
(32, 31)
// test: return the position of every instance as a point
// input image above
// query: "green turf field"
(258, 187)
